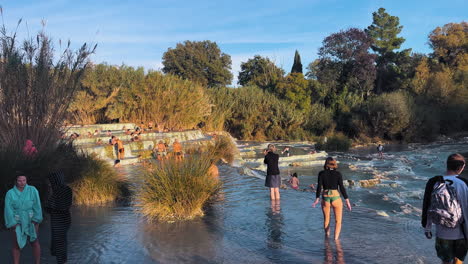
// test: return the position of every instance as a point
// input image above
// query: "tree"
(450, 44)
(384, 32)
(199, 61)
(297, 65)
(345, 63)
(261, 72)
(295, 89)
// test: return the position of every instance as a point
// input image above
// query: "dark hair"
(294, 175)
(116, 161)
(19, 173)
(113, 137)
(330, 164)
(455, 162)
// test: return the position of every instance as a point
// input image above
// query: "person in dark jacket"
(58, 206)
(273, 178)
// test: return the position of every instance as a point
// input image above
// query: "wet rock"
(393, 185)
(369, 183)
(295, 164)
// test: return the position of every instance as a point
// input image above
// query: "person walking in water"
(450, 219)
(23, 214)
(58, 206)
(329, 181)
(273, 178)
(380, 151)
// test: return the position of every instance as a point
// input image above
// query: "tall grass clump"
(98, 184)
(223, 149)
(177, 190)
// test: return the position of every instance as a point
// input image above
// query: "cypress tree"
(297, 66)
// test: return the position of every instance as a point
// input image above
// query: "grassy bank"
(177, 190)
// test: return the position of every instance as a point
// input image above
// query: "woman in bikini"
(329, 180)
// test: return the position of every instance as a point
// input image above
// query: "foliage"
(259, 115)
(384, 32)
(390, 114)
(223, 148)
(166, 100)
(177, 190)
(345, 63)
(295, 90)
(99, 183)
(450, 44)
(221, 102)
(35, 91)
(261, 72)
(199, 61)
(100, 89)
(297, 65)
(319, 119)
(336, 142)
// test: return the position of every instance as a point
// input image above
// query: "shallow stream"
(243, 226)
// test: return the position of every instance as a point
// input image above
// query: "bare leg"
(277, 193)
(15, 250)
(272, 193)
(36, 247)
(326, 217)
(338, 210)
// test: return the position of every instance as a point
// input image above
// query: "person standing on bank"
(329, 180)
(450, 218)
(23, 214)
(273, 178)
(58, 206)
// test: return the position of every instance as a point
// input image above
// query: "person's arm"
(37, 209)
(341, 186)
(319, 188)
(343, 191)
(10, 220)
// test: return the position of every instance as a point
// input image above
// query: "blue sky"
(137, 33)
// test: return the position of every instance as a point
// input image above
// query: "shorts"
(121, 150)
(162, 153)
(273, 181)
(178, 153)
(447, 250)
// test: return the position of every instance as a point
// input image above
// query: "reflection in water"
(196, 241)
(274, 223)
(329, 258)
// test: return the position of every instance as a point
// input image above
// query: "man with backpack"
(446, 205)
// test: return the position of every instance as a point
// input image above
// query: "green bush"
(337, 142)
(390, 114)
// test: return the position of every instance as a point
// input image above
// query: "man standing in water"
(273, 178)
(451, 226)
